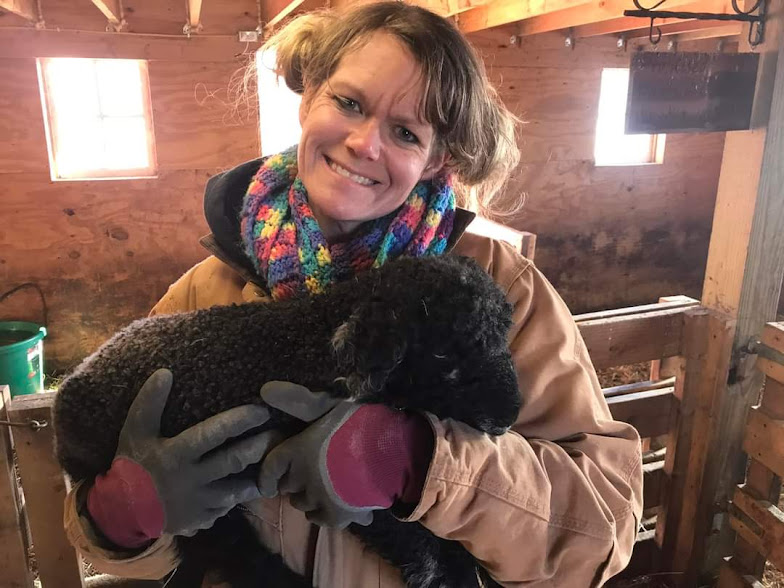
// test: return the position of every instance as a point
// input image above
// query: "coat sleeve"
(556, 501)
(206, 284)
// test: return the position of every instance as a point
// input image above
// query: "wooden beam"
(194, 13)
(502, 12)
(685, 516)
(626, 339)
(24, 8)
(745, 265)
(24, 44)
(274, 11)
(630, 23)
(110, 9)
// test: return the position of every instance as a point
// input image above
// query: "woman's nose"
(364, 141)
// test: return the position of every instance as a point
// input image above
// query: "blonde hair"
(471, 124)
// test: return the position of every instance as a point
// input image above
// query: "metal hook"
(650, 32)
(33, 424)
(654, 7)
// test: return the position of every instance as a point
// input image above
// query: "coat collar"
(236, 260)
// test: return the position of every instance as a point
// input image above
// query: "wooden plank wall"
(642, 230)
(105, 251)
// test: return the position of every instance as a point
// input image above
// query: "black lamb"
(422, 334)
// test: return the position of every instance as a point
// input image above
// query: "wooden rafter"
(110, 9)
(501, 12)
(274, 11)
(24, 8)
(194, 12)
(535, 16)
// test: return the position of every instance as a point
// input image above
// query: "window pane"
(613, 146)
(79, 145)
(119, 87)
(125, 140)
(97, 116)
(278, 107)
(72, 88)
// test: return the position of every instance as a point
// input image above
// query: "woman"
(397, 115)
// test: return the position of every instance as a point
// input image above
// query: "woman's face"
(365, 143)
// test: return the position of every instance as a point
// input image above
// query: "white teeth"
(347, 174)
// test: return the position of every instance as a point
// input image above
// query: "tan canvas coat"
(554, 502)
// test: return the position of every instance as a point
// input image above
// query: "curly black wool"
(421, 334)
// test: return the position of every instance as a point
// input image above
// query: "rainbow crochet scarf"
(286, 246)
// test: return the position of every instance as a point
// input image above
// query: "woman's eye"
(347, 104)
(407, 136)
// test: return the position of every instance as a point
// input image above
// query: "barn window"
(98, 118)
(613, 146)
(278, 107)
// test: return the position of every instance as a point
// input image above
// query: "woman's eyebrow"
(347, 86)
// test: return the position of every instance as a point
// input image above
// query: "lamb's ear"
(368, 347)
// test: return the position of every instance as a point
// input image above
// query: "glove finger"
(144, 416)
(302, 501)
(291, 484)
(216, 430)
(229, 493)
(297, 400)
(274, 466)
(238, 456)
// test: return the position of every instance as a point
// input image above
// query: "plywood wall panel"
(103, 251)
(607, 236)
(199, 122)
(23, 144)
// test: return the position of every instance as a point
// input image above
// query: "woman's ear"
(435, 165)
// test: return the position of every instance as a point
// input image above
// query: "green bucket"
(22, 357)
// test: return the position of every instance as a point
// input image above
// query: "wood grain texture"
(623, 340)
(685, 517)
(24, 8)
(23, 148)
(199, 122)
(44, 486)
(648, 412)
(23, 44)
(13, 549)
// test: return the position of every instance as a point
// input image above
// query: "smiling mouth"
(342, 171)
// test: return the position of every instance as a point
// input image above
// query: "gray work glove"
(193, 474)
(298, 465)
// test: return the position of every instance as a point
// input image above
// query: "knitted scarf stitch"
(283, 240)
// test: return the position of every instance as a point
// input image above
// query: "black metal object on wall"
(690, 92)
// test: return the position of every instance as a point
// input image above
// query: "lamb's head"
(431, 334)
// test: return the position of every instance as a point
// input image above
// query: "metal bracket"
(756, 21)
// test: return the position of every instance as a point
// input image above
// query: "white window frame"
(96, 173)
